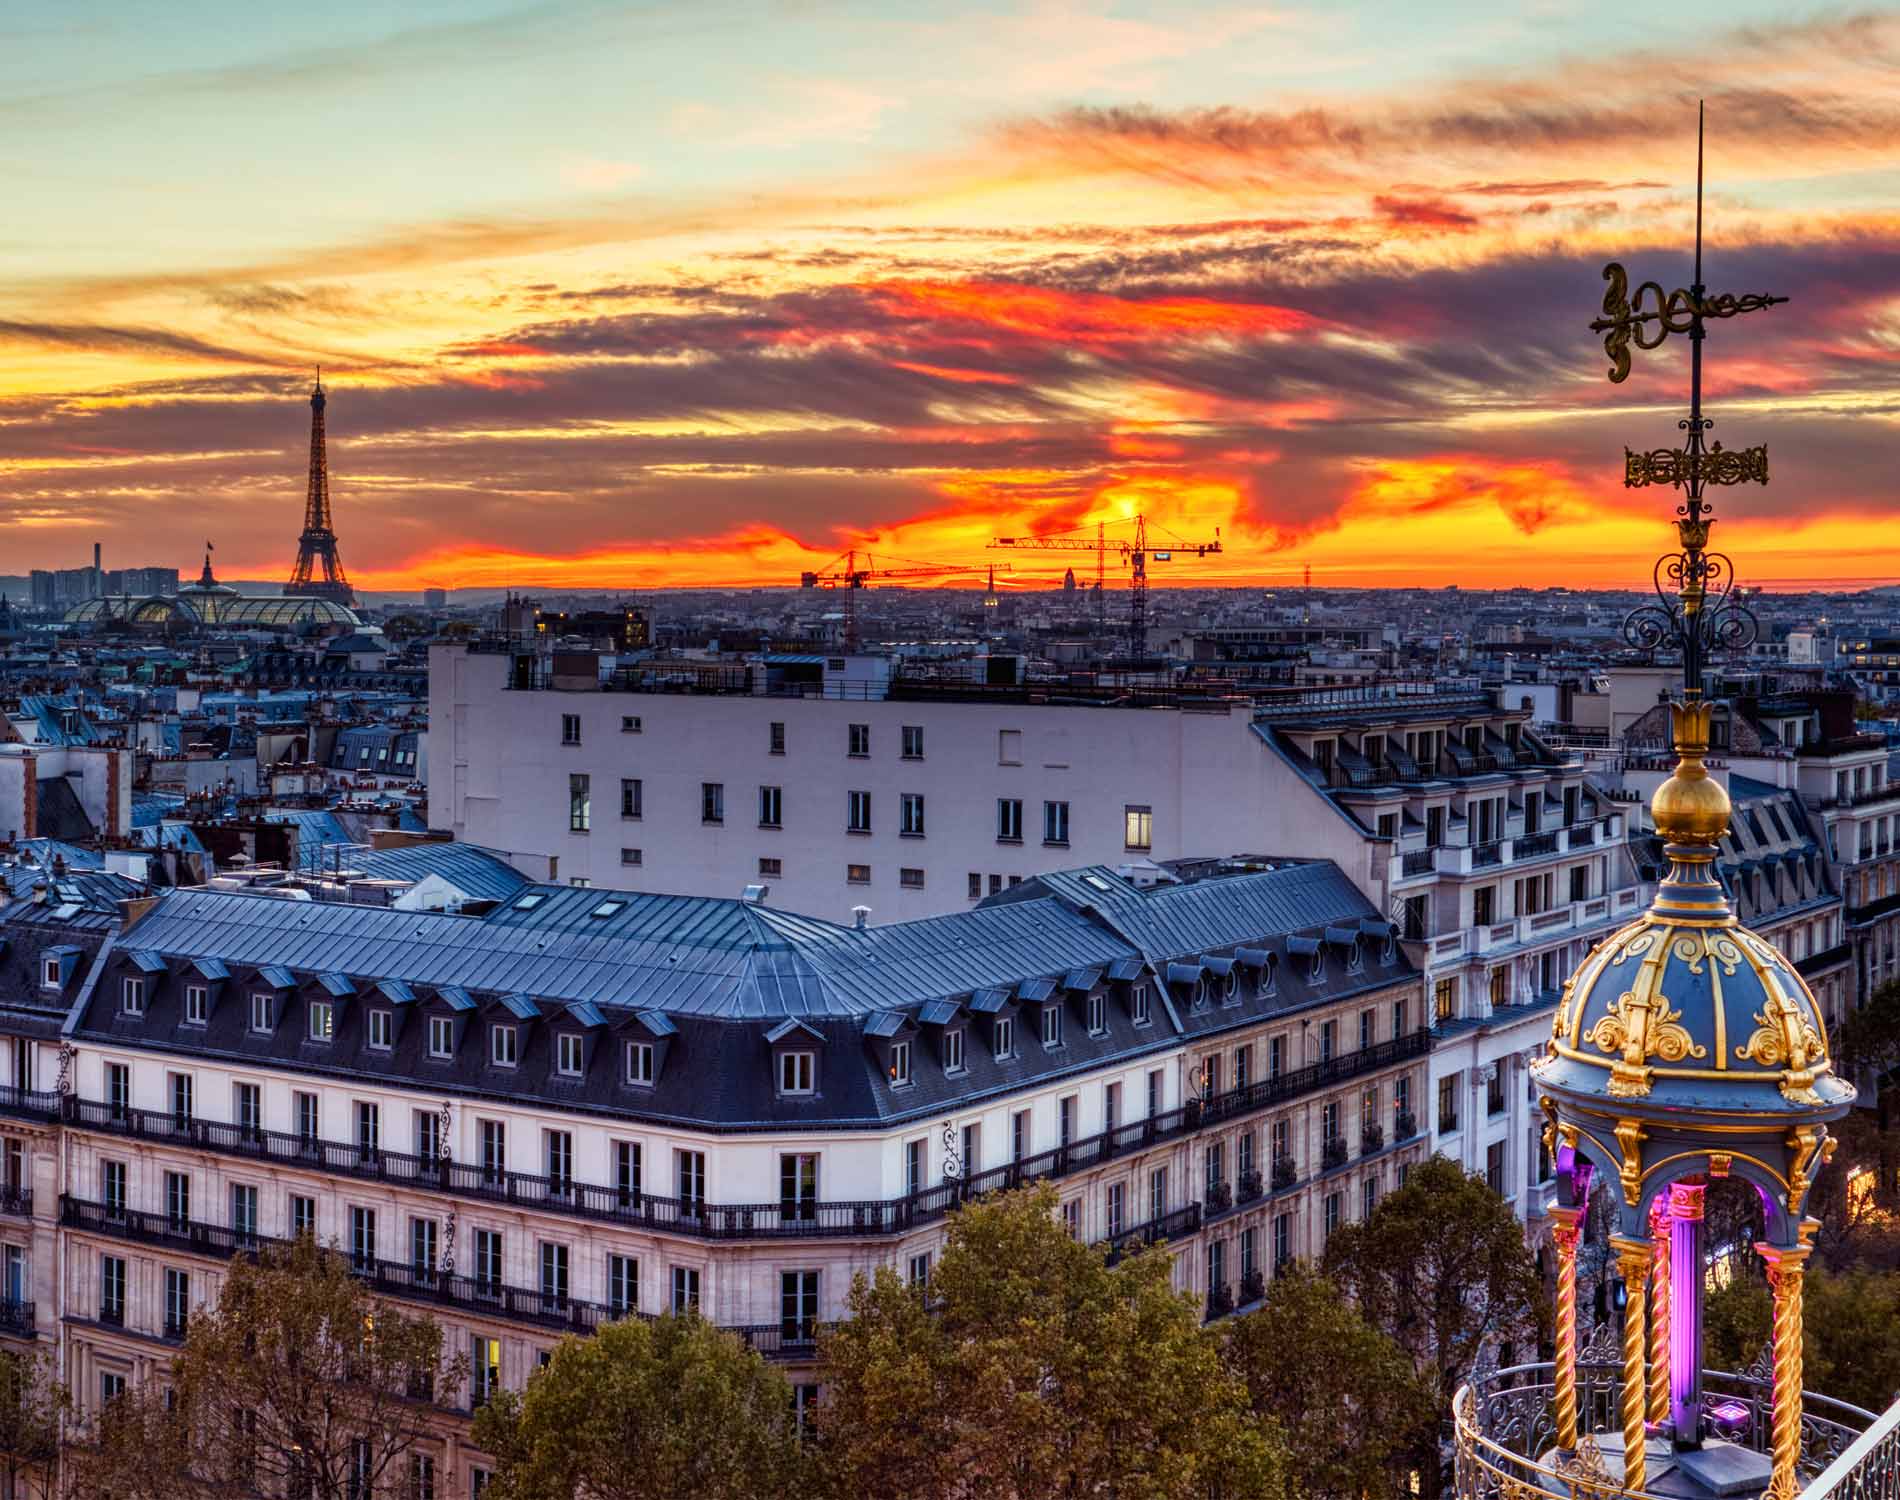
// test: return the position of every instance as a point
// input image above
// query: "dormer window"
(640, 1064)
(1003, 1038)
(900, 1064)
(796, 1072)
(50, 974)
(322, 1020)
(953, 1050)
(503, 1045)
(441, 1036)
(1052, 1026)
(381, 1030)
(568, 1054)
(197, 1005)
(1098, 1014)
(132, 996)
(1138, 1002)
(261, 1013)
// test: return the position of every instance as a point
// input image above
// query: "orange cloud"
(1040, 312)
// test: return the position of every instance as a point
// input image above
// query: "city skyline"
(1320, 280)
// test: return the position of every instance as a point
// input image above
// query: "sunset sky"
(631, 295)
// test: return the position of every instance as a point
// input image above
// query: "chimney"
(95, 557)
(860, 916)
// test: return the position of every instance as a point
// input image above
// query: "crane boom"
(852, 577)
(1134, 555)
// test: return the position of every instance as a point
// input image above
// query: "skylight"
(530, 901)
(607, 908)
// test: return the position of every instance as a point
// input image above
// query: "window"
(1068, 1107)
(712, 802)
(381, 1030)
(1448, 1104)
(1052, 1025)
(914, 1155)
(1484, 906)
(557, 1154)
(1328, 1040)
(362, 1235)
(628, 1162)
(422, 1246)
(1243, 1066)
(570, 729)
(860, 739)
(623, 1284)
(112, 1291)
(441, 1036)
(504, 1044)
(484, 1381)
(771, 869)
(858, 812)
(796, 1071)
(1276, 1056)
(685, 1288)
(1445, 998)
(900, 1064)
(771, 807)
(1072, 1218)
(1111, 1105)
(181, 1098)
(197, 1005)
(857, 874)
(261, 1012)
(247, 1108)
(1009, 747)
(689, 1167)
(630, 724)
(1098, 1014)
(307, 1130)
(640, 1064)
(913, 742)
(953, 1050)
(798, 1187)
(580, 803)
(112, 1185)
(478, 1478)
(1494, 1091)
(1003, 1037)
(1494, 1167)
(909, 878)
(910, 815)
(775, 739)
(50, 975)
(1368, 1197)
(1117, 1208)
(1154, 1092)
(1055, 823)
(1138, 1003)
(111, 1386)
(1009, 820)
(918, 1272)
(1019, 1135)
(553, 1275)
(798, 1306)
(568, 1053)
(632, 797)
(322, 1020)
(369, 1126)
(1138, 827)
(421, 1477)
(303, 1215)
(488, 1259)
(1282, 1241)
(132, 997)
(1158, 1192)
(244, 1212)
(976, 886)
(1332, 1213)
(996, 884)
(494, 1150)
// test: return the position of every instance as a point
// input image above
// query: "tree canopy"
(673, 1409)
(1029, 1367)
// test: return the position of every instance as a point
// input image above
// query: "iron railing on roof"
(790, 1218)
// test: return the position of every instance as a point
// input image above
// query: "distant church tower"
(319, 571)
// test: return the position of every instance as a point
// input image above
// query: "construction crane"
(852, 570)
(1135, 557)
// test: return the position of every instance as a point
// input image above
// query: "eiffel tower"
(319, 571)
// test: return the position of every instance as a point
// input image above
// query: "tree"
(1851, 1348)
(1869, 1039)
(33, 1404)
(674, 1409)
(1442, 1267)
(1347, 1397)
(1028, 1368)
(296, 1381)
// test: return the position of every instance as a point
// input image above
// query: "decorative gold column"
(1659, 1309)
(1787, 1269)
(1632, 1258)
(1566, 1227)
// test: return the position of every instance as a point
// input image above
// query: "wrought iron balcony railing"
(787, 1219)
(1506, 1434)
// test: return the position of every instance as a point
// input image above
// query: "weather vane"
(1693, 585)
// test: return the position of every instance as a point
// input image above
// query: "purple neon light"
(1685, 1325)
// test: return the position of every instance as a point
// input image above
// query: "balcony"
(1371, 1140)
(1506, 1438)
(29, 1104)
(738, 1221)
(1820, 963)
(1538, 927)
(16, 1200)
(1169, 1226)
(1332, 1154)
(17, 1318)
